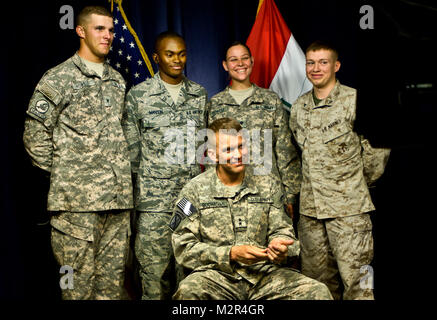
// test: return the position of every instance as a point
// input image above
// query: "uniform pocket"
(342, 142)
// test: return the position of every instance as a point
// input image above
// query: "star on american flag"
(125, 56)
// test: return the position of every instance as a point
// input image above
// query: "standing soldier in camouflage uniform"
(259, 110)
(335, 229)
(162, 115)
(231, 229)
(73, 131)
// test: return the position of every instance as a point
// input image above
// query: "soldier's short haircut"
(229, 124)
(86, 12)
(165, 35)
(225, 123)
(233, 44)
(322, 45)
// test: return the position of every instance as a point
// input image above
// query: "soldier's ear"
(155, 58)
(225, 66)
(80, 30)
(212, 155)
(337, 65)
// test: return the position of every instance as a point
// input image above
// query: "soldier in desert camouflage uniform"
(73, 131)
(335, 229)
(231, 229)
(259, 110)
(160, 114)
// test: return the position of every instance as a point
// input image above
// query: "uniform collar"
(107, 72)
(255, 98)
(186, 89)
(219, 190)
(328, 101)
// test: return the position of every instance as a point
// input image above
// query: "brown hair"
(86, 12)
(321, 45)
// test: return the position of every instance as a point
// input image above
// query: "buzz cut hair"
(84, 15)
(323, 45)
(231, 126)
(165, 35)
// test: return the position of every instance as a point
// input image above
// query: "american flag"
(127, 55)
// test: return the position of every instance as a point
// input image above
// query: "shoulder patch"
(174, 223)
(186, 207)
(51, 93)
(42, 106)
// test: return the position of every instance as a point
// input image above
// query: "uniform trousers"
(153, 250)
(95, 247)
(338, 248)
(279, 284)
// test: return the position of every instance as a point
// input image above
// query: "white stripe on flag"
(290, 80)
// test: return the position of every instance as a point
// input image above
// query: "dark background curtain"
(385, 64)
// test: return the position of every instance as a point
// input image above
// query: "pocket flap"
(76, 231)
(334, 132)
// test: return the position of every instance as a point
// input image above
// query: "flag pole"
(259, 6)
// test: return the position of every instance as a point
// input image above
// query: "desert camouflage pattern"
(210, 218)
(73, 130)
(264, 110)
(95, 245)
(374, 161)
(150, 115)
(346, 244)
(333, 182)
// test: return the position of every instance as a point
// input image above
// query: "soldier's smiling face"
(238, 63)
(230, 151)
(97, 35)
(321, 66)
(171, 57)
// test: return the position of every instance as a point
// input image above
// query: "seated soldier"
(229, 226)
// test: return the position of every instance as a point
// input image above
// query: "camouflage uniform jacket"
(264, 110)
(73, 130)
(157, 129)
(222, 217)
(333, 183)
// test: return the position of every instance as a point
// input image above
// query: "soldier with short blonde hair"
(334, 228)
(73, 132)
(231, 230)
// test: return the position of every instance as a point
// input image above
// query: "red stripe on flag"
(267, 41)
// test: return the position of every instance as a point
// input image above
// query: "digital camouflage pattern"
(150, 116)
(73, 130)
(264, 110)
(156, 129)
(347, 244)
(95, 245)
(333, 183)
(210, 218)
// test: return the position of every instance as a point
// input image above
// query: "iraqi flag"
(279, 61)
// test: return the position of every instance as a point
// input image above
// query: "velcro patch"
(187, 208)
(174, 223)
(51, 93)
